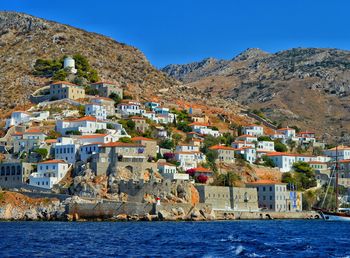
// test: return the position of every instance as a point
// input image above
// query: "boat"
(337, 214)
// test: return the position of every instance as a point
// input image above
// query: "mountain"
(307, 87)
(24, 39)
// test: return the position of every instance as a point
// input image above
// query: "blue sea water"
(283, 238)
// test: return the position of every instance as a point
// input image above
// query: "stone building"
(66, 90)
(151, 147)
(228, 198)
(14, 173)
(275, 196)
(105, 89)
(115, 156)
(141, 124)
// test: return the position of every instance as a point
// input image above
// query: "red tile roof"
(63, 82)
(202, 170)
(265, 182)
(140, 138)
(221, 147)
(199, 124)
(92, 136)
(53, 161)
(121, 144)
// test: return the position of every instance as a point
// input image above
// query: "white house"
(265, 146)
(306, 137)
(240, 144)
(186, 148)
(287, 132)
(96, 110)
(108, 103)
(40, 116)
(247, 138)
(17, 118)
(66, 149)
(203, 128)
(168, 171)
(248, 153)
(342, 152)
(49, 173)
(130, 108)
(87, 150)
(95, 138)
(253, 130)
(189, 160)
(84, 125)
(284, 161)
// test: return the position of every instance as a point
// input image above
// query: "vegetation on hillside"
(53, 68)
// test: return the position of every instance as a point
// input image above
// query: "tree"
(130, 124)
(60, 75)
(264, 138)
(177, 138)
(168, 156)
(291, 144)
(280, 147)
(125, 140)
(191, 172)
(268, 162)
(166, 144)
(228, 179)
(42, 152)
(209, 141)
(303, 176)
(115, 97)
(183, 126)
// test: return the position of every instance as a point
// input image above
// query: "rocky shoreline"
(18, 207)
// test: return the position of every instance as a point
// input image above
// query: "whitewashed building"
(49, 173)
(253, 130)
(66, 149)
(96, 110)
(18, 118)
(84, 125)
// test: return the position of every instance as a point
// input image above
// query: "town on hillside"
(98, 142)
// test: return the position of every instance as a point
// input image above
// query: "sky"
(183, 31)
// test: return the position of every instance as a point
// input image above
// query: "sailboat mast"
(336, 180)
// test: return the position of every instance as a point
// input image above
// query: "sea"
(260, 238)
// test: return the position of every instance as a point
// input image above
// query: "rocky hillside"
(307, 87)
(24, 39)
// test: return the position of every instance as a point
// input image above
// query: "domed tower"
(69, 63)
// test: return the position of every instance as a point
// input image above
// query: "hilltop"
(307, 87)
(25, 38)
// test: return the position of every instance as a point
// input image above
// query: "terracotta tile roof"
(202, 170)
(53, 161)
(104, 82)
(103, 98)
(246, 136)
(340, 148)
(85, 118)
(318, 162)
(32, 130)
(165, 163)
(63, 82)
(121, 144)
(272, 154)
(286, 129)
(221, 147)
(92, 136)
(51, 140)
(344, 161)
(199, 124)
(140, 138)
(17, 134)
(266, 182)
(138, 117)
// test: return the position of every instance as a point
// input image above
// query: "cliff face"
(24, 39)
(308, 87)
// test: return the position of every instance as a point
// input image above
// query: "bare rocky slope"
(24, 39)
(307, 87)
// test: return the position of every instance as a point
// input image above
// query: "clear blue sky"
(182, 31)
